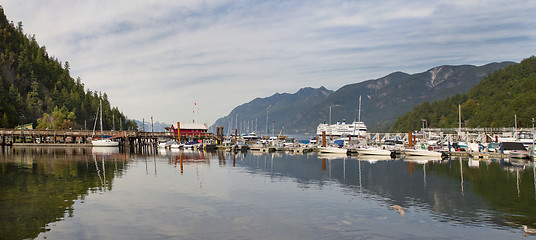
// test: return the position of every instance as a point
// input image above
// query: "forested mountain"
(280, 108)
(37, 88)
(383, 100)
(493, 102)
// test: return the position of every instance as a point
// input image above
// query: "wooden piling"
(179, 131)
(235, 133)
(323, 138)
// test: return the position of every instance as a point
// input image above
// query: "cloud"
(157, 58)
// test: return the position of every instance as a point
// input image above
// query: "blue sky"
(156, 58)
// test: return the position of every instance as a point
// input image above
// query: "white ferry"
(343, 129)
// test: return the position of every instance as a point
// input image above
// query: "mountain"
(496, 101)
(280, 109)
(383, 99)
(146, 125)
(38, 89)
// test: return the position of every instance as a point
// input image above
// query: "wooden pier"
(83, 137)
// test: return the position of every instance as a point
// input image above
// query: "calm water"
(84, 193)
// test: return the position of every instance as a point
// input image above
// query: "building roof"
(193, 126)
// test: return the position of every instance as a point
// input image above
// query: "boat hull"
(421, 153)
(332, 150)
(104, 143)
(374, 152)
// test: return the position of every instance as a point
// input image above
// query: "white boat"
(103, 142)
(252, 136)
(336, 150)
(192, 145)
(514, 150)
(421, 153)
(519, 154)
(373, 151)
(176, 145)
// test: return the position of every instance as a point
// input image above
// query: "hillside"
(492, 103)
(38, 89)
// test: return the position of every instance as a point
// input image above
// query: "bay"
(88, 193)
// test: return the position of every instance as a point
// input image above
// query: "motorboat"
(421, 152)
(514, 149)
(369, 150)
(176, 145)
(332, 149)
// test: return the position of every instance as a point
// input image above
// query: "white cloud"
(158, 57)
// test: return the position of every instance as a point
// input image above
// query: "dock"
(33, 137)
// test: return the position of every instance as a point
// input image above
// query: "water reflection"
(40, 185)
(352, 196)
(437, 185)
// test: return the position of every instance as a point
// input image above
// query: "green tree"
(60, 118)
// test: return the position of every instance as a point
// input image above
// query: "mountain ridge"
(383, 99)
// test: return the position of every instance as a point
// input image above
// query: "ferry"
(357, 129)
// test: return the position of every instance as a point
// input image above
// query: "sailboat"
(102, 142)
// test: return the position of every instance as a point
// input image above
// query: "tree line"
(501, 97)
(37, 88)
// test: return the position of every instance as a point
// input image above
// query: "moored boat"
(336, 150)
(104, 143)
(373, 151)
(421, 152)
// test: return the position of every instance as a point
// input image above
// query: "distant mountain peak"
(439, 75)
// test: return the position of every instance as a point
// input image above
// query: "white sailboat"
(102, 142)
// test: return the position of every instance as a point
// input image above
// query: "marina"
(477, 143)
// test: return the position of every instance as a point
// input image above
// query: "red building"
(190, 130)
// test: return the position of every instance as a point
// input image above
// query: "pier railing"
(85, 134)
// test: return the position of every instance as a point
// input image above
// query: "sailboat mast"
(100, 106)
(358, 116)
(330, 114)
(459, 120)
(359, 113)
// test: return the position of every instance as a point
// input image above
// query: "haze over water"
(85, 193)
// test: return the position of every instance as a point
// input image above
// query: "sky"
(185, 60)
